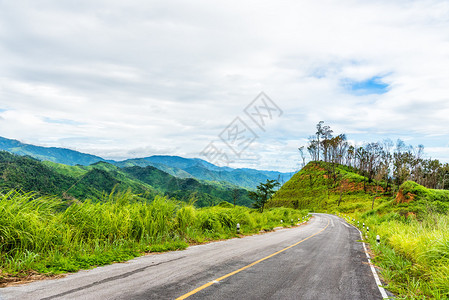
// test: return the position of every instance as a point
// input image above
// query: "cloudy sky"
(123, 79)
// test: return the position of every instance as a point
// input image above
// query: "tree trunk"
(375, 196)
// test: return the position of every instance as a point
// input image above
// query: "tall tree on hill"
(263, 193)
(350, 155)
(301, 152)
(319, 133)
(326, 142)
(401, 161)
(313, 148)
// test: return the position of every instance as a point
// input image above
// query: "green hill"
(322, 186)
(419, 200)
(28, 174)
(206, 193)
(31, 175)
(101, 178)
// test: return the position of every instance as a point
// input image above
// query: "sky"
(125, 79)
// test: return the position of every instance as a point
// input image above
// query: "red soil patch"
(350, 186)
(407, 198)
(411, 215)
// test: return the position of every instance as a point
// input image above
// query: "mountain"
(101, 178)
(80, 182)
(59, 155)
(203, 170)
(173, 165)
(144, 162)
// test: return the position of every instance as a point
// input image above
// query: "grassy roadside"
(413, 255)
(42, 235)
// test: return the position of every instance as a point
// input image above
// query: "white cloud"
(145, 77)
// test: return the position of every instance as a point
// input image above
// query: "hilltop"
(321, 186)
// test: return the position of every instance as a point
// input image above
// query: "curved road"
(319, 260)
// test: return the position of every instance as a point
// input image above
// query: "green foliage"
(93, 181)
(413, 254)
(185, 189)
(41, 234)
(263, 193)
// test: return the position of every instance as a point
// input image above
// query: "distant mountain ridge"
(174, 165)
(54, 154)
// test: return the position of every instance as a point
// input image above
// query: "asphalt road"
(318, 260)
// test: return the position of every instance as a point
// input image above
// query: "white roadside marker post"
(238, 228)
(378, 239)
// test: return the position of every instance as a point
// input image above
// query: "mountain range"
(174, 165)
(98, 180)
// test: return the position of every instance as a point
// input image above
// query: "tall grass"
(413, 255)
(45, 235)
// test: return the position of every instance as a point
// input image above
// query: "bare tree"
(301, 152)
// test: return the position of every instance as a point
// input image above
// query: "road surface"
(319, 260)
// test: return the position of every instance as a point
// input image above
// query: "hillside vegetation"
(315, 187)
(101, 178)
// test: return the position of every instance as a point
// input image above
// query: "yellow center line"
(246, 267)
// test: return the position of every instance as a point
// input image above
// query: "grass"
(42, 235)
(413, 255)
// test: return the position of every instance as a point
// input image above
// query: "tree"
(235, 195)
(263, 193)
(319, 133)
(301, 152)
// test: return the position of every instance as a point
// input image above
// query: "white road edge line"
(345, 225)
(376, 276)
